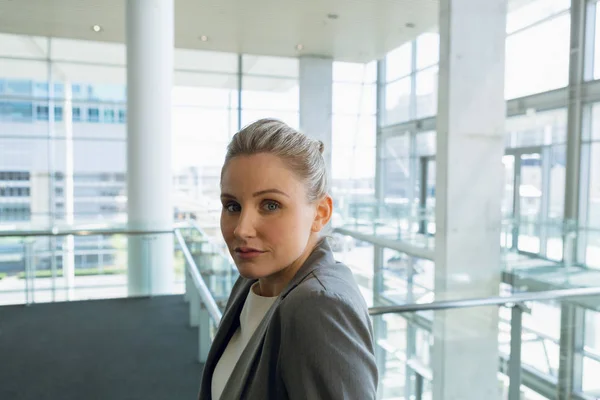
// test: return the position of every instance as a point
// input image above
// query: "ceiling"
(364, 30)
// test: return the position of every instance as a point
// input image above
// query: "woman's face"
(267, 221)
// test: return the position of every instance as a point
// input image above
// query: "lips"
(248, 252)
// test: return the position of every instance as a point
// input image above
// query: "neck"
(273, 285)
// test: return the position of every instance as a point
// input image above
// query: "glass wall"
(535, 170)
(535, 162)
(537, 47)
(205, 116)
(591, 174)
(270, 89)
(353, 133)
(62, 127)
(63, 154)
(411, 80)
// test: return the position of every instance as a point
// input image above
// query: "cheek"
(289, 232)
(227, 226)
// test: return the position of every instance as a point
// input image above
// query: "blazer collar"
(321, 256)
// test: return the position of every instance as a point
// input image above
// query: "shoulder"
(329, 289)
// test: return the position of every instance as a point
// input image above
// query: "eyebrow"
(256, 194)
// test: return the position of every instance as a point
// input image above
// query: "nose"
(245, 226)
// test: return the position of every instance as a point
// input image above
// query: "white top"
(254, 310)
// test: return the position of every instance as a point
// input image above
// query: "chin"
(250, 271)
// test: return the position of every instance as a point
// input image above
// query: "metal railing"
(203, 306)
(508, 301)
(80, 232)
(25, 251)
(515, 302)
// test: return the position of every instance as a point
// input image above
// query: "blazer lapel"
(239, 376)
(321, 256)
(229, 324)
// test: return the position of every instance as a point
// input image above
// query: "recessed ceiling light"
(299, 46)
(410, 25)
(204, 38)
(96, 28)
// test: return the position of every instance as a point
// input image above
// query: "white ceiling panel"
(347, 30)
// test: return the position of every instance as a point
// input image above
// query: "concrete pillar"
(469, 188)
(316, 93)
(149, 178)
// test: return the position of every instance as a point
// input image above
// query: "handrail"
(403, 247)
(207, 298)
(489, 301)
(80, 232)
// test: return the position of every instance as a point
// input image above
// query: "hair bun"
(321, 146)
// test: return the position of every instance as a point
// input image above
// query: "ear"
(323, 215)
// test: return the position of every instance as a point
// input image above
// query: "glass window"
(270, 66)
(597, 44)
(355, 72)
(109, 116)
(558, 167)
(353, 131)
(89, 52)
(76, 114)
(97, 82)
(349, 98)
(22, 46)
(16, 111)
(537, 59)
(58, 113)
(200, 60)
(593, 238)
(40, 89)
(537, 128)
(427, 87)
(292, 118)
(93, 115)
(265, 93)
(20, 87)
(522, 14)
(428, 50)
(41, 113)
(21, 76)
(396, 170)
(398, 101)
(59, 90)
(122, 116)
(399, 62)
(352, 166)
(426, 143)
(206, 90)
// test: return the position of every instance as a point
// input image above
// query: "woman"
(296, 325)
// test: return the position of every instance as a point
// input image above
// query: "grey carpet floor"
(138, 348)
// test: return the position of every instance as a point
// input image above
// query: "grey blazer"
(314, 343)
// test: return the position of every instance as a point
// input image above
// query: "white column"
(149, 178)
(316, 84)
(469, 189)
(68, 256)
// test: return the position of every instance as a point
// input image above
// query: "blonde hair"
(302, 155)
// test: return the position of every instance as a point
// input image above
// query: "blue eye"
(271, 206)
(232, 207)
